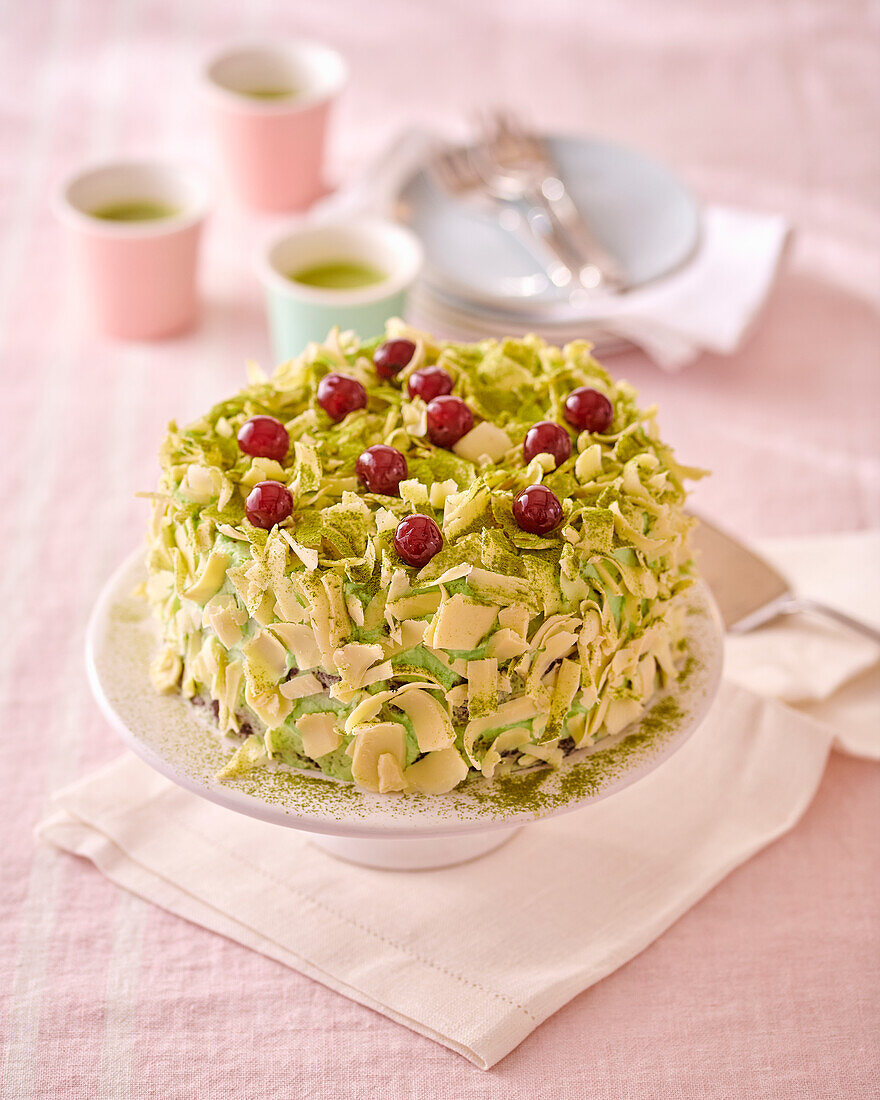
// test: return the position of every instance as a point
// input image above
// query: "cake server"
(749, 591)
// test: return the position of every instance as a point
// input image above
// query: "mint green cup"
(300, 314)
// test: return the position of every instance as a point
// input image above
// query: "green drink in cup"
(352, 274)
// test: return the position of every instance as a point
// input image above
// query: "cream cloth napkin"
(708, 305)
(474, 956)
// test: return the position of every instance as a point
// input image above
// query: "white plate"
(639, 210)
(175, 738)
(426, 310)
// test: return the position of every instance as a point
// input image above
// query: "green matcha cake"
(407, 561)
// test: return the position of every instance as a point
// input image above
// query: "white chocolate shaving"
(301, 687)
(588, 463)
(211, 579)
(165, 670)
(269, 706)
(430, 719)
(620, 713)
(201, 484)
(389, 774)
(462, 623)
(440, 490)
(486, 439)
(299, 638)
(265, 654)
(414, 607)
(306, 554)
(263, 469)
(413, 492)
(482, 678)
(318, 733)
(516, 618)
(506, 644)
(371, 742)
(436, 773)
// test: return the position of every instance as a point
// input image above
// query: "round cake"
(405, 561)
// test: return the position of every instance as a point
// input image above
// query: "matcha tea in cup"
(270, 105)
(338, 275)
(134, 229)
(354, 274)
(134, 210)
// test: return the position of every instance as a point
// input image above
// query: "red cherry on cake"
(340, 394)
(448, 420)
(588, 410)
(417, 539)
(381, 469)
(264, 437)
(547, 438)
(391, 357)
(537, 510)
(428, 383)
(267, 504)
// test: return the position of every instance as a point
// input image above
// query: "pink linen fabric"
(768, 988)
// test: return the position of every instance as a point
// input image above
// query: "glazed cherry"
(340, 394)
(391, 357)
(268, 503)
(417, 539)
(428, 383)
(588, 410)
(537, 510)
(548, 438)
(264, 437)
(448, 420)
(381, 469)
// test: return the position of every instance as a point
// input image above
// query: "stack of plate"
(480, 280)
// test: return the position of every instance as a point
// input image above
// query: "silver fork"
(452, 170)
(517, 164)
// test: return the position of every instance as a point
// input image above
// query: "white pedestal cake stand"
(396, 832)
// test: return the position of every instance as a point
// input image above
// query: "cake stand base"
(413, 854)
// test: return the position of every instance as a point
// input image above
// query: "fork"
(517, 165)
(454, 173)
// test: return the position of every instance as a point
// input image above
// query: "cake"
(406, 562)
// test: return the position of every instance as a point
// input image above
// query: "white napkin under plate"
(708, 305)
(603, 882)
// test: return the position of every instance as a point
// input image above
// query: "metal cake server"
(749, 591)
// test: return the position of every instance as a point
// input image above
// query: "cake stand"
(394, 832)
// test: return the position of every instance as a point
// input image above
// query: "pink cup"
(137, 278)
(274, 147)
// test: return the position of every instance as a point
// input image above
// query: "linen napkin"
(524, 929)
(708, 305)
(712, 302)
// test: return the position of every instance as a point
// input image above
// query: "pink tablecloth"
(769, 987)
